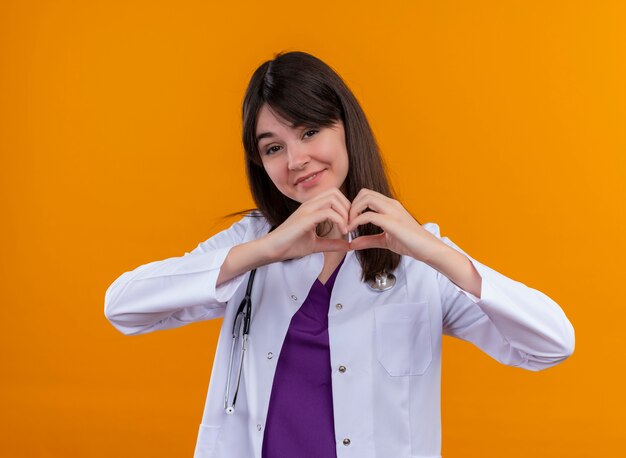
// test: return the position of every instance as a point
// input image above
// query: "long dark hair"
(305, 91)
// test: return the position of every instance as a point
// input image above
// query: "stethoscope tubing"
(241, 327)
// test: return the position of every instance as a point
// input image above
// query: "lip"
(307, 176)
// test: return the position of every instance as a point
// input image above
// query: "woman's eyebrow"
(263, 135)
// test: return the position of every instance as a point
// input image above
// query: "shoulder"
(256, 225)
(249, 227)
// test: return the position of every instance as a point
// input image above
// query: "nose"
(297, 157)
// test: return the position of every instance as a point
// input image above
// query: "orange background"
(504, 122)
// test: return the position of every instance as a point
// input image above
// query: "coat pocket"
(207, 439)
(403, 338)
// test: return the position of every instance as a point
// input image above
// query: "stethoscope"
(241, 327)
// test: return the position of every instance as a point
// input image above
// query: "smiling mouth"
(309, 178)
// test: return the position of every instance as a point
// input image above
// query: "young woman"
(340, 295)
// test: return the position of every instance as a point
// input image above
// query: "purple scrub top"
(300, 420)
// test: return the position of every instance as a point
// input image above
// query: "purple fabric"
(300, 420)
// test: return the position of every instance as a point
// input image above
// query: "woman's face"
(291, 154)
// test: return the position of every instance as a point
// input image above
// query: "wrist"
(435, 252)
(441, 255)
(267, 250)
(458, 268)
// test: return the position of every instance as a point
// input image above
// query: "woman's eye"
(275, 148)
(311, 131)
(271, 149)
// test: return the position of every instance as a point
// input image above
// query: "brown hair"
(305, 91)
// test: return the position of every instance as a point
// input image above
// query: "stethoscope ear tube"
(246, 304)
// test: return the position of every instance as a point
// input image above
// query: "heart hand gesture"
(296, 236)
(401, 233)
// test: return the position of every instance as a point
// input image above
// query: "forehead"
(270, 124)
(269, 117)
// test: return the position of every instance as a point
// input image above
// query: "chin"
(303, 197)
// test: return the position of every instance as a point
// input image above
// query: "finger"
(378, 219)
(343, 209)
(330, 214)
(325, 244)
(334, 192)
(335, 200)
(368, 199)
(343, 198)
(368, 241)
(334, 204)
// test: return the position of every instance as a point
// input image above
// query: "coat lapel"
(278, 292)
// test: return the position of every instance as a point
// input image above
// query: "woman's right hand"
(296, 236)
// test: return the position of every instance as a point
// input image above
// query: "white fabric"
(387, 401)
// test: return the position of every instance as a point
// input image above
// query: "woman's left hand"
(401, 233)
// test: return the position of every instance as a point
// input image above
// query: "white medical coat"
(387, 402)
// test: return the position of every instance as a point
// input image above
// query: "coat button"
(346, 441)
(294, 297)
(270, 355)
(338, 306)
(258, 427)
(342, 369)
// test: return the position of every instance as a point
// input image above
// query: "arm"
(175, 291)
(513, 323)
(243, 258)
(457, 268)
(194, 287)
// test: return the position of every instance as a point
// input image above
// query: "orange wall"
(504, 122)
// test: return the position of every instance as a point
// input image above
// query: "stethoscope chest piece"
(383, 282)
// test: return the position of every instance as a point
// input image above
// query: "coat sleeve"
(176, 291)
(513, 323)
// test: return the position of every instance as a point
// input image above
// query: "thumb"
(324, 244)
(368, 241)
